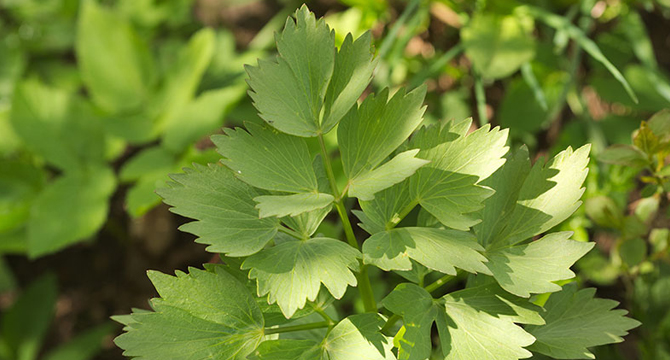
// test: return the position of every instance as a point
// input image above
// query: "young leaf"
(224, 209)
(70, 209)
(437, 249)
(575, 321)
(367, 135)
(447, 187)
(356, 337)
(268, 159)
(210, 313)
(292, 272)
(549, 194)
(116, 66)
(289, 93)
(515, 267)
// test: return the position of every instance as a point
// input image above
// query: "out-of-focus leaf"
(70, 209)
(26, 322)
(19, 185)
(498, 45)
(83, 346)
(627, 155)
(116, 66)
(604, 211)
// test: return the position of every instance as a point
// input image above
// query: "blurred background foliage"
(100, 100)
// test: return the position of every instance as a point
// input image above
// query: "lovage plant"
(432, 201)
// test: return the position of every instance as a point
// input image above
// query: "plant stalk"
(301, 327)
(362, 277)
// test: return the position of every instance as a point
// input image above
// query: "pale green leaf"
(352, 73)
(291, 205)
(203, 314)
(224, 209)
(622, 154)
(437, 249)
(70, 209)
(26, 322)
(289, 92)
(292, 272)
(388, 174)
(576, 321)
(356, 337)
(383, 211)
(56, 125)
(367, 135)
(116, 66)
(448, 186)
(268, 159)
(549, 194)
(534, 267)
(498, 45)
(474, 333)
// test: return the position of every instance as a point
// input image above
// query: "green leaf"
(383, 211)
(69, 209)
(292, 272)
(645, 140)
(548, 195)
(622, 154)
(604, 212)
(210, 313)
(367, 135)
(448, 186)
(475, 333)
(205, 114)
(268, 159)
(182, 79)
(82, 347)
(289, 92)
(20, 183)
(390, 173)
(437, 249)
(26, 322)
(293, 205)
(115, 65)
(418, 311)
(498, 45)
(352, 73)
(575, 321)
(224, 209)
(7, 281)
(534, 267)
(60, 127)
(356, 337)
(659, 123)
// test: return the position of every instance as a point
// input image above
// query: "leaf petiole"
(292, 328)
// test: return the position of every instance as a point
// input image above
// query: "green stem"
(301, 327)
(293, 233)
(325, 316)
(439, 282)
(364, 286)
(480, 96)
(390, 322)
(404, 212)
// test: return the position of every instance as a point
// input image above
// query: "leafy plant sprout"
(435, 201)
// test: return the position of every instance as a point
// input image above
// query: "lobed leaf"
(437, 249)
(292, 272)
(210, 313)
(576, 321)
(293, 205)
(535, 267)
(223, 206)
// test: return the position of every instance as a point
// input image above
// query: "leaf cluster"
(436, 202)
